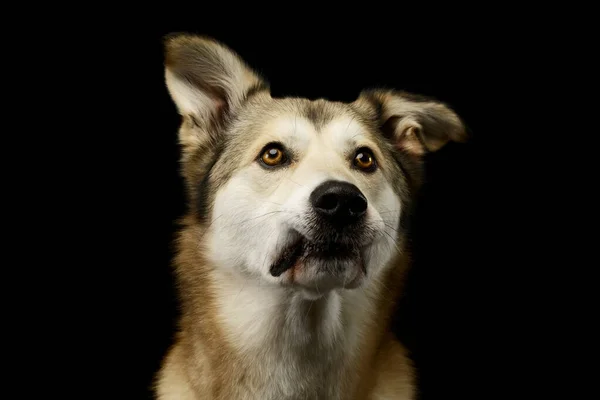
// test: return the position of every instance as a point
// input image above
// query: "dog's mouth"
(331, 256)
(289, 257)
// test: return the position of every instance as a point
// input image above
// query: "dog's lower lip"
(288, 258)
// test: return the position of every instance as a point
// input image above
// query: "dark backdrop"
(449, 316)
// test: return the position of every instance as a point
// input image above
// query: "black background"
(450, 317)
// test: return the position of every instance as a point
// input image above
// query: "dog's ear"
(206, 80)
(415, 124)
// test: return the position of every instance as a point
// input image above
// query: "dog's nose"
(338, 202)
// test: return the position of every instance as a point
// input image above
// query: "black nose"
(338, 202)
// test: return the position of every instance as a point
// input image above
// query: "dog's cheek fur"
(388, 209)
(245, 227)
(199, 188)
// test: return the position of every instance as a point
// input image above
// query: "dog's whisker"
(385, 286)
(392, 228)
(293, 181)
(206, 231)
(260, 222)
(272, 202)
(348, 126)
(345, 279)
(389, 212)
(309, 307)
(242, 288)
(367, 269)
(266, 253)
(393, 242)
(260, 216)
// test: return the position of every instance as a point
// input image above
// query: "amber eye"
(365, 160)
(272, 156)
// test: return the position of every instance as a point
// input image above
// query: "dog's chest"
(296, 378)
(299, 363)
(292, 349)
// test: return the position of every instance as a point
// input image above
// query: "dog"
(292, 254)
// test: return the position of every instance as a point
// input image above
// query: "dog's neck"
(295, 347)
(256, 315)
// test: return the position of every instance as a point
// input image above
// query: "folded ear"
(206, 80)
(415, 124)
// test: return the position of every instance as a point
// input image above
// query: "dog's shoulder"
(173, 381)
(393, 378)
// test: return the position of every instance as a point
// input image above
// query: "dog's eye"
(272, 155)
(364, 160)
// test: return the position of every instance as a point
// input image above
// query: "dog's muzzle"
(338, 214)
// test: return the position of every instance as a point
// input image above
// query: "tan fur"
(334, 347)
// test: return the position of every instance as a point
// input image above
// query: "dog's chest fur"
(294, 374)
(290, 347)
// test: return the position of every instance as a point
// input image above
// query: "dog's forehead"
(297, 130)
(344, 131)
(300, 122)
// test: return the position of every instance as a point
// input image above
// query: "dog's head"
(309, 194)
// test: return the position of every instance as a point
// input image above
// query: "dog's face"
(309, 198)
(307, 194)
